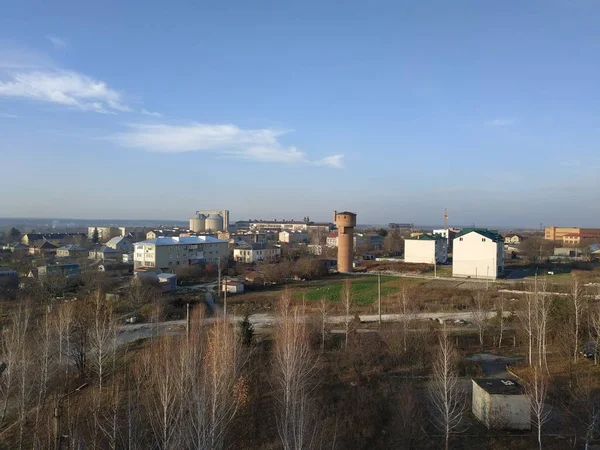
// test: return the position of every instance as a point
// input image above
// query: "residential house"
(16, 247)
(62, 269)
(426, 249)
(104, 252)
(294, 237)
(71, 251)
(46, 248)
(232, 287)
(170, 252)
(478, 253)
(251, 253)
(37, 239)
(104, 233)
(513, 238)
(120, 243)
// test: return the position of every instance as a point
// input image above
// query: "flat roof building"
(501, 404)
(170, 252)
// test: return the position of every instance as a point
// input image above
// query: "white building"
(478, 253)
(232, 287)
(256, 252)
(294, 237)
(501, 404)
(120, 243)
(170, 252)
(426, 249)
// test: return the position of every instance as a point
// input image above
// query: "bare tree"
(216, 390)
(542, 316)
(406, 309)
(500, 310)
(447, 397)
(294, 368)
(578, 302)
(536, 388)
(160, 370)
(525, 316)
(12, 347)
(347, 305)
(324, 311)
(594, 327)
(480, 315)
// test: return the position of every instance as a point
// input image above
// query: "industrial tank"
(198, 223)
(214, 222)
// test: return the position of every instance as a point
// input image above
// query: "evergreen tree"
(95, 236)
(14, 234)
(246, 331)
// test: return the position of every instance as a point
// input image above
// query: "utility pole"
(487, 278)
(225, 298)
(219, 276)
(187, 321)
(445, 218)
(379, 295)
(434, 268)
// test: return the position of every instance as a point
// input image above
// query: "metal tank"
(198, 223)
(345, 223)
(214, 222)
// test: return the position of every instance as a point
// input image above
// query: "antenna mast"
(445, 218)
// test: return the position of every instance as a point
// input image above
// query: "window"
(482, 239)
(460, 239)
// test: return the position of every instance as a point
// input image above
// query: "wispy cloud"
(503, 122)
(57, 41)
(145, 112)
(63, 87)
(253, 144)
(7, 116)
(29, 75)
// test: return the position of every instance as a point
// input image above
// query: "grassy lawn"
(364, 290)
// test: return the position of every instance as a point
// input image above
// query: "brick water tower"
(345, 223)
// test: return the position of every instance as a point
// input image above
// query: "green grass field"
(364, 290)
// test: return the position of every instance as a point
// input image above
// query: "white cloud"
(57, 41)
(254, 144)
(7, 116)
(500, 122)
(151, 113)
(62, 87)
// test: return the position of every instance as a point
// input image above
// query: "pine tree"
(246, 331)
(95, 236)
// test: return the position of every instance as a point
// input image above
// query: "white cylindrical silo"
(214, 222)
(198, 223)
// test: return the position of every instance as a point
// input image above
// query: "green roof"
(425, 237)
(490, 234)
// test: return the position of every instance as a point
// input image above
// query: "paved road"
(128, 333)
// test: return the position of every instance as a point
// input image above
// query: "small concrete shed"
(501, 403)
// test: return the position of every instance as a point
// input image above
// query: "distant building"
(16, 247)
(167, 281)
(104, 252)
(478, 253)
(9, 279)
(401, 226)
(568, 252)
(232, 287)
(557, 233)
(501, 404)
(170, 252)
(121, 244)
(251, 253)
(210, 221)
(46, 248)
(578, 238)
(294, 237)
(426, 249)
(59, 269)
(57, 239)
(105, 233)
(513, 238)
(315, 249)
(365, 241)
(292, 225)
(71, 251)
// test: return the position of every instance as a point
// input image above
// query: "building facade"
(501, 404)
(294, 237)
(71, 251)
(557, 233)
(121, 244)
(104, 233)
(252, 253)
(426, 249)
(478, 253)
(171, 252)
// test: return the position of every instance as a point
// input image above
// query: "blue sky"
(394, 110)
